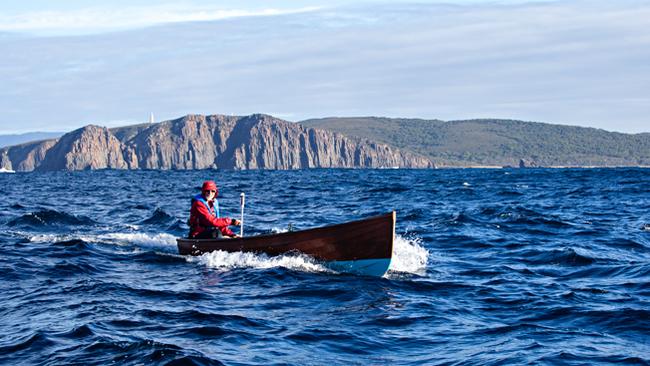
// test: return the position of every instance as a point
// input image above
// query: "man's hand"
(235, 222)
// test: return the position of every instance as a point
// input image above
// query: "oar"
(242, 199)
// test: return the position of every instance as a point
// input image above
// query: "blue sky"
(66, 64)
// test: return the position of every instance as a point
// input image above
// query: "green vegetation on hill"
(497, 142)
(126, 133)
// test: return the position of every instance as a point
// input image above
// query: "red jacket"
(201, 218)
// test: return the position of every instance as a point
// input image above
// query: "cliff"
(25, 157)
(200, 142)
(91, 147)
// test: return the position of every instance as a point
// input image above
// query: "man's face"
(209, 195)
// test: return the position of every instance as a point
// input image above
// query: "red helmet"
(210, 185)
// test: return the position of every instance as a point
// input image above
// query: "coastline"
(543, 167)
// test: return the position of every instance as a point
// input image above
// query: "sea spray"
(159, 242)
(163, 242)
(225, 261)
(409, 256)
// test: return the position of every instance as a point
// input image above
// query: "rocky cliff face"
(25, 157)
(91, 147)
(200, 142)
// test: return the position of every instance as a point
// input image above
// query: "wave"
(35, 341)
(509, 193)
(158, 257)
(142, 351)
(409, 256)
(142, 241)
(566, 357)
(69, 268)
(80, 332)
(72, 243)
(524, 216)
(460, 218)
(157, 242)
(566, 257)
(484, 263)
(158, 217)
(45, 218)
(228, 261)
(390, 190)
(414, 214)
(178, 226)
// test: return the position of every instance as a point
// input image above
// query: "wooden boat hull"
(362, 247)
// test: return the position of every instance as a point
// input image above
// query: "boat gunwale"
(391, 215)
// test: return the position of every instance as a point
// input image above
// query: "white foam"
(226, 261)
(276, 230)
(409, 256)
(49, 238)
(142, 238)
(163, 242)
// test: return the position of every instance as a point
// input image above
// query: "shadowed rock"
(202, 142)
(90, 147)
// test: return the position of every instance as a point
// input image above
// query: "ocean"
(490, 267)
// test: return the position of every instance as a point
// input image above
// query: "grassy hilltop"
(497, 142)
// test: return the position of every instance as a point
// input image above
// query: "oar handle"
(242, 202)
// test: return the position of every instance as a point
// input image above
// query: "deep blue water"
(491, 267)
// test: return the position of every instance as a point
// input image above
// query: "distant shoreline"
(545, 167)
(477, 167)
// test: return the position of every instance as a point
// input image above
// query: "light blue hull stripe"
(366, 267)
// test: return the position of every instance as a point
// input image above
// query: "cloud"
(574, 62)
(98, 19)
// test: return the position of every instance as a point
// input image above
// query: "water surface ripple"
(491, 267)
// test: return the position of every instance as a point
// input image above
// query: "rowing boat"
(361, 247)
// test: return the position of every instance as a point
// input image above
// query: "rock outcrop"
(523, 163)
(90, 147)
(25, 157)
(200, 142)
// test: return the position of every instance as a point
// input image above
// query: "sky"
(70, 63)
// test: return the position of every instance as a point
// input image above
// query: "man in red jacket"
(205, 222)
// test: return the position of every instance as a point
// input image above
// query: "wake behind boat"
(361, 247)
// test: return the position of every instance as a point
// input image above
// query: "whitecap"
(409, 256)
(53, 238)
(165, 242)
(160, 242)
(277, 230)
(226, 261)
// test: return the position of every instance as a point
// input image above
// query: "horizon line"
(127, 123)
